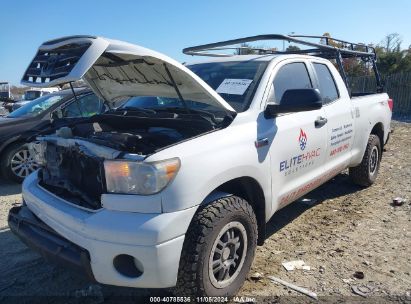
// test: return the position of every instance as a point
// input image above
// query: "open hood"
(115, 70)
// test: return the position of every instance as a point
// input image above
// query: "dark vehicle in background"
(3, 110)
(5, 97)
(40, 115)
(5, 93)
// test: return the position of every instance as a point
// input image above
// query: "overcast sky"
(169, 26)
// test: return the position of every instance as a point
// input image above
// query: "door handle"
(261, 142)
(320, 121)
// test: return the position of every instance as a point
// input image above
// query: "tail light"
(391, 103)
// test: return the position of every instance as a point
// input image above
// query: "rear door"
(298, 146)
(339, 114)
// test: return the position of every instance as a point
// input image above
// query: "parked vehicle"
(175, 187)
(6, 97)
(5, 92)
(3, 110)
(34, 93)
(28, 96)
(39, 115)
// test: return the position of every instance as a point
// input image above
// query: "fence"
(398, 87)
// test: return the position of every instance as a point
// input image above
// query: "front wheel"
(218, 249)
(366, 173)
(17, 162)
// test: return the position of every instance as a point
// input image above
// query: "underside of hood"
(116, 70)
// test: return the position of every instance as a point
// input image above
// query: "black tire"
(366, 173)
(202, 245)
(6, 162)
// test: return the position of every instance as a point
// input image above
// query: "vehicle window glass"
(291, 76)
(30, 95)
(85, 106)
(37, 106)
(215, 73)
(326, 84)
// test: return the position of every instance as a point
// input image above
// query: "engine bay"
(139, 141)
(72, 158)
(142, 135)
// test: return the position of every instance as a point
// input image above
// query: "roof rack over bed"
(328, 47)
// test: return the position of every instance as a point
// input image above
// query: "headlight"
(130, 177)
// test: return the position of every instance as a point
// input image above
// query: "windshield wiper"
(204, 114)
(136, 109)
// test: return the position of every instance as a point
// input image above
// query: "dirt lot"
(343, 229)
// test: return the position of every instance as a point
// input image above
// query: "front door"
(298, 147)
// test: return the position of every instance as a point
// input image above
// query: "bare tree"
(391, 43)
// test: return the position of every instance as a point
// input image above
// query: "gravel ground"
(340, 230)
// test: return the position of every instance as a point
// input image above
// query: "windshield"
(36, 107)
(235, 81)
(30, 95)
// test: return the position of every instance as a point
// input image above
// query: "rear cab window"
(326, 83)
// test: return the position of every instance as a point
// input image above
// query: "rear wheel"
(218, 249)
(17, 162)
(366, 173)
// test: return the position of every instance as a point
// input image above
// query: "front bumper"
(154, 240)
(41, 238)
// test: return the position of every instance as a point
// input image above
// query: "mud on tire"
(221, 233)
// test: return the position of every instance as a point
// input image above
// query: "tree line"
(391, 57)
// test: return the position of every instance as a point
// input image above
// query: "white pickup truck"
(175, 184)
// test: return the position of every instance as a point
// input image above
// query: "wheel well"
(4, 148)
(378, 130)
(250, 190)
(8, 145)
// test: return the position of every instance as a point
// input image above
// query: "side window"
(85, 106)
(291, 76)
(327, 87)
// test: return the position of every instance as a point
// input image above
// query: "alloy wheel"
(227, 254)
(22, 163)
(373, 160)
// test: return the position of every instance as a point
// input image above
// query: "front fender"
(7, 142)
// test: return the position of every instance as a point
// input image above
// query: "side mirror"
(295, 100)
